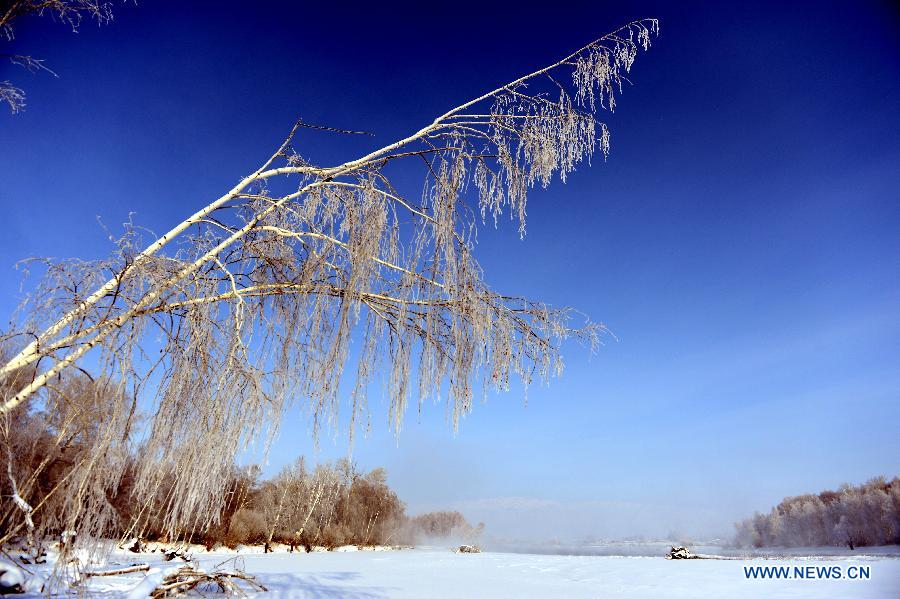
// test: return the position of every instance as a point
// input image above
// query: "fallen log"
(127, 570)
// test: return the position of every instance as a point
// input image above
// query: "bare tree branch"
(250, 304)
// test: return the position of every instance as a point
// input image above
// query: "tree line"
(854, 516)
(48, 489)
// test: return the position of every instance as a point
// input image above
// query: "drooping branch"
(253, 301)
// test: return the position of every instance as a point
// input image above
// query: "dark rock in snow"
(680, 553)
(173, 553)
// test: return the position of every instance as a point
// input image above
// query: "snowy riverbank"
(442, 573)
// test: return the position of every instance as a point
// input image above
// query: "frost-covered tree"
(212, 330)
(853, 516)
(433, 526)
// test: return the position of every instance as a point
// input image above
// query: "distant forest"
(853, 516)
(42, 453)
(325, 505)
(329, 506)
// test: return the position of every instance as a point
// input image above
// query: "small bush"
(248, 527)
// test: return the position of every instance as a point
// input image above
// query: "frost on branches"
(158, 376)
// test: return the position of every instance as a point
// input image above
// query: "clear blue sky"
(742, 241)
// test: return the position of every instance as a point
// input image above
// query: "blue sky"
(741, 241)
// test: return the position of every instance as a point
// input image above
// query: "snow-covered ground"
(423, 573)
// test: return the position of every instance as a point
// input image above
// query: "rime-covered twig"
(188, 578)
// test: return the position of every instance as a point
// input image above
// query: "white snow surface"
(424, 573)
(10, 575)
